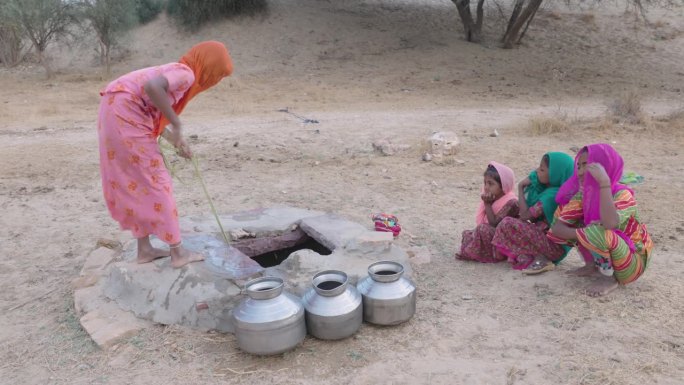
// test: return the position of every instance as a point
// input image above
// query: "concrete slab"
(331, 230)
(263, 221)
(160, 293)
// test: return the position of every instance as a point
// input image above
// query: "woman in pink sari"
(498, 202)
(134, 111)
(600, 216)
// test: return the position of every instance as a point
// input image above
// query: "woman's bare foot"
(584, 271)
(182, 256)
(146, 255)
(602, 286)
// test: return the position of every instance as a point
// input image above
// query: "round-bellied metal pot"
(389, 298)
(269, 320)
(333, 307)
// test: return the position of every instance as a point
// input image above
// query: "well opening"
(272, 250)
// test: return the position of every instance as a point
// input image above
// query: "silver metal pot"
(388, 297)
(269, 320)
(333, 308)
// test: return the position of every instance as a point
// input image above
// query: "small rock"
(574, 149)
(466, 297)
(494, 134)
(427, 157)
(316, 163)
(193, 137)
(239, 234)
(443, 143)
(460, 161)
(108, 243)
(84, 281)
(236, 144)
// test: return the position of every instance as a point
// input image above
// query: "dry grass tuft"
(588, 18)
(545, 125)
(627, 109)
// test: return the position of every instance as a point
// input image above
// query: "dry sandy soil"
(365, 70)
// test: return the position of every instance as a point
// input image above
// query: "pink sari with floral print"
(136, 185)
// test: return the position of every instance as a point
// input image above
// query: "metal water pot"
(333, 307)
(388, 297)
(269, 320)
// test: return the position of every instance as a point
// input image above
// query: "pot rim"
(396, 267)
(330, 275)
(264, 287)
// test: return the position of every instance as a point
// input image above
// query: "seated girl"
(498, 202)
(523, 241)
(599, 215)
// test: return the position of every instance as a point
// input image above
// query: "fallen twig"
(15, 307)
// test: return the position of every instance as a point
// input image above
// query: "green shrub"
(147, 10)
(191, 14)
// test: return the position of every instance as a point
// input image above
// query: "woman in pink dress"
(134, 111)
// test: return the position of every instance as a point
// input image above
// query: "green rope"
(167, 150)
(195, 163)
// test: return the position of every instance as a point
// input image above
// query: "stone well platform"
(116, 297)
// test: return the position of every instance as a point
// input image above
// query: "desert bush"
(148, 10)
(626, 109)
(11, 40)
(110, 19)
(43, 21)
(192, 14)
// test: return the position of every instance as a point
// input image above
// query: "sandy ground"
(365, 70)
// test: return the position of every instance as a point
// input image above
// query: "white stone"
(443, 143)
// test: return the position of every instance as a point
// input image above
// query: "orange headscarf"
(210, 62)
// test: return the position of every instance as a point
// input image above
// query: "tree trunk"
(514, 16)
(529, 21)
(512, 36)
(102, 53)
(108, 59)
(471, 28)
(42, 58)
(480, 18)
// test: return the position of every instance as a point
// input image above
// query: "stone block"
(371, 242)
(97, 260)
(332, 231)
(88, 299)
(108, 325)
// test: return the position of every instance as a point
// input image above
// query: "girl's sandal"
(538, 267)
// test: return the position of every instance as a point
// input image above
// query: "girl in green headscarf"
(523, 241)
